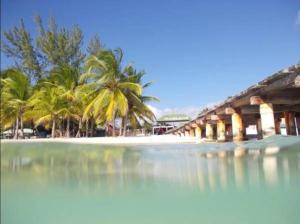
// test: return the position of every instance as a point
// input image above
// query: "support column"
(259, 129)
(266, 116)
(277, 126)
(298, 125)
(198, 132)
(267, 119)
(192, 132)
(221, 130)
(209, 131)
(290, 123)
(237, 127)
(186, 133)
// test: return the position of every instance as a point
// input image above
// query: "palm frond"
(134, 87)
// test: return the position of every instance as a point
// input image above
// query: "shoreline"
(161, 139)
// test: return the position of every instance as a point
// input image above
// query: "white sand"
(162, 139)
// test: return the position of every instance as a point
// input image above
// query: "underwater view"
(250, 182)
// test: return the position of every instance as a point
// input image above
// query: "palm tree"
(109, 86)
(81, 100)
(15, 93)
(45, 106)
(139, 113)
(65, 78)
(103, 94)
(8, 114)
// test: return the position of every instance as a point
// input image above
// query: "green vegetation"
(55, 84)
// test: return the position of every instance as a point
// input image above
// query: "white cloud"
(298, 18)
(191, 111)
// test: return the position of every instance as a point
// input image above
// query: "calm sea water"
(253, 182)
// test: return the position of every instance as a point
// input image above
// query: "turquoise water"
(68, 183)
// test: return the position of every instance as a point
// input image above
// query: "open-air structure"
(272, 106)
(168, 122)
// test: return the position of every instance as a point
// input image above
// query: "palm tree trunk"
(21, 126)
(113, 127)
(93, 127)
(79, 129)
(68, 127)
(17, 128)
(107, 128)
(13, 129)
(53, 129)
(87, 128)
(60, 128)
(124, 125)
(121, 126)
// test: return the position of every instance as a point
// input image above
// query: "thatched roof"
(174, 118)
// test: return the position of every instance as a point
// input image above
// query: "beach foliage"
(17, 44)
(15, 91)
(54, 83)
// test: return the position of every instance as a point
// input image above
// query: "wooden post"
(267, 119)
(209, 131)
(237, 127)
(186, 133)
(198, 132)
(290, 123)
(221, 130)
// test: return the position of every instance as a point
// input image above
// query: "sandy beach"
(162, 139)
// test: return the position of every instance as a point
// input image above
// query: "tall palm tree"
(15, 93)
(109, 85)
(139, 113)
(81, 100)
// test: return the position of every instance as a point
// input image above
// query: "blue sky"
(197, 52)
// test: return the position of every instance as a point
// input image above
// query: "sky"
(197, 52)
